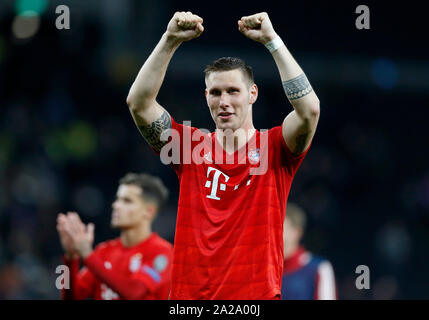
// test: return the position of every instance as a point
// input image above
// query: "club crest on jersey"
(160, 262)
(135, 262)
(253, 155)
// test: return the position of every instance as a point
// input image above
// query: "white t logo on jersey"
(214, 184)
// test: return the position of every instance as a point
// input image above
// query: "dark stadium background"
(66, 135)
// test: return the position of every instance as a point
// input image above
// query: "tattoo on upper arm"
(297, 87)
(152, 132)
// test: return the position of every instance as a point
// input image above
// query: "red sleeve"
(178, 150)
(287, 158)
(82, 283)
(157, 274)
(133, 287)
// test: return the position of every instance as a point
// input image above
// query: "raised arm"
(299, 125)
(150, 117)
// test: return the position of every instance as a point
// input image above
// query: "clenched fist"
(257, 27)
(185, 26)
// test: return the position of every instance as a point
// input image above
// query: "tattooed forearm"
(152, 132)
(297, 87)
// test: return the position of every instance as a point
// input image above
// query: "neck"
(234, 140)
(133, 236)
(291, 250)
(295, 260)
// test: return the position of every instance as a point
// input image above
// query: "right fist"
(185, 26)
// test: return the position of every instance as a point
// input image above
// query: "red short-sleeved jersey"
(229, 230)
(114, 272)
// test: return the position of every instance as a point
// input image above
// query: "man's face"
(291, 237)
(129, 208)
(229, 99)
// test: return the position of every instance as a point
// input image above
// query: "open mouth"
(225, 115)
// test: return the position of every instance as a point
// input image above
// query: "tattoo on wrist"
(297, 87)
(152, 132)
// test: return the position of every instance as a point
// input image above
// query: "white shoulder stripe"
(326, 287)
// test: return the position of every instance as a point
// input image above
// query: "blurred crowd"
(66, 137)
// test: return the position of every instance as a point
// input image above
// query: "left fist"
(257, 27)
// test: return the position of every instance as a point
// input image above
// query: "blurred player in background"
(305, 276)
(137, 265)
(228, 242)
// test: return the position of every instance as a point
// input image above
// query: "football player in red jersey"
(306, 276)
(229, 230)
(137, 265)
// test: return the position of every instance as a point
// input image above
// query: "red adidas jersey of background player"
(115, 272)
(228, 241)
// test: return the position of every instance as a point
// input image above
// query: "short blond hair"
(296, 215)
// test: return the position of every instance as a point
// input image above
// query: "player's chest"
(126, 263)
(217, 182)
